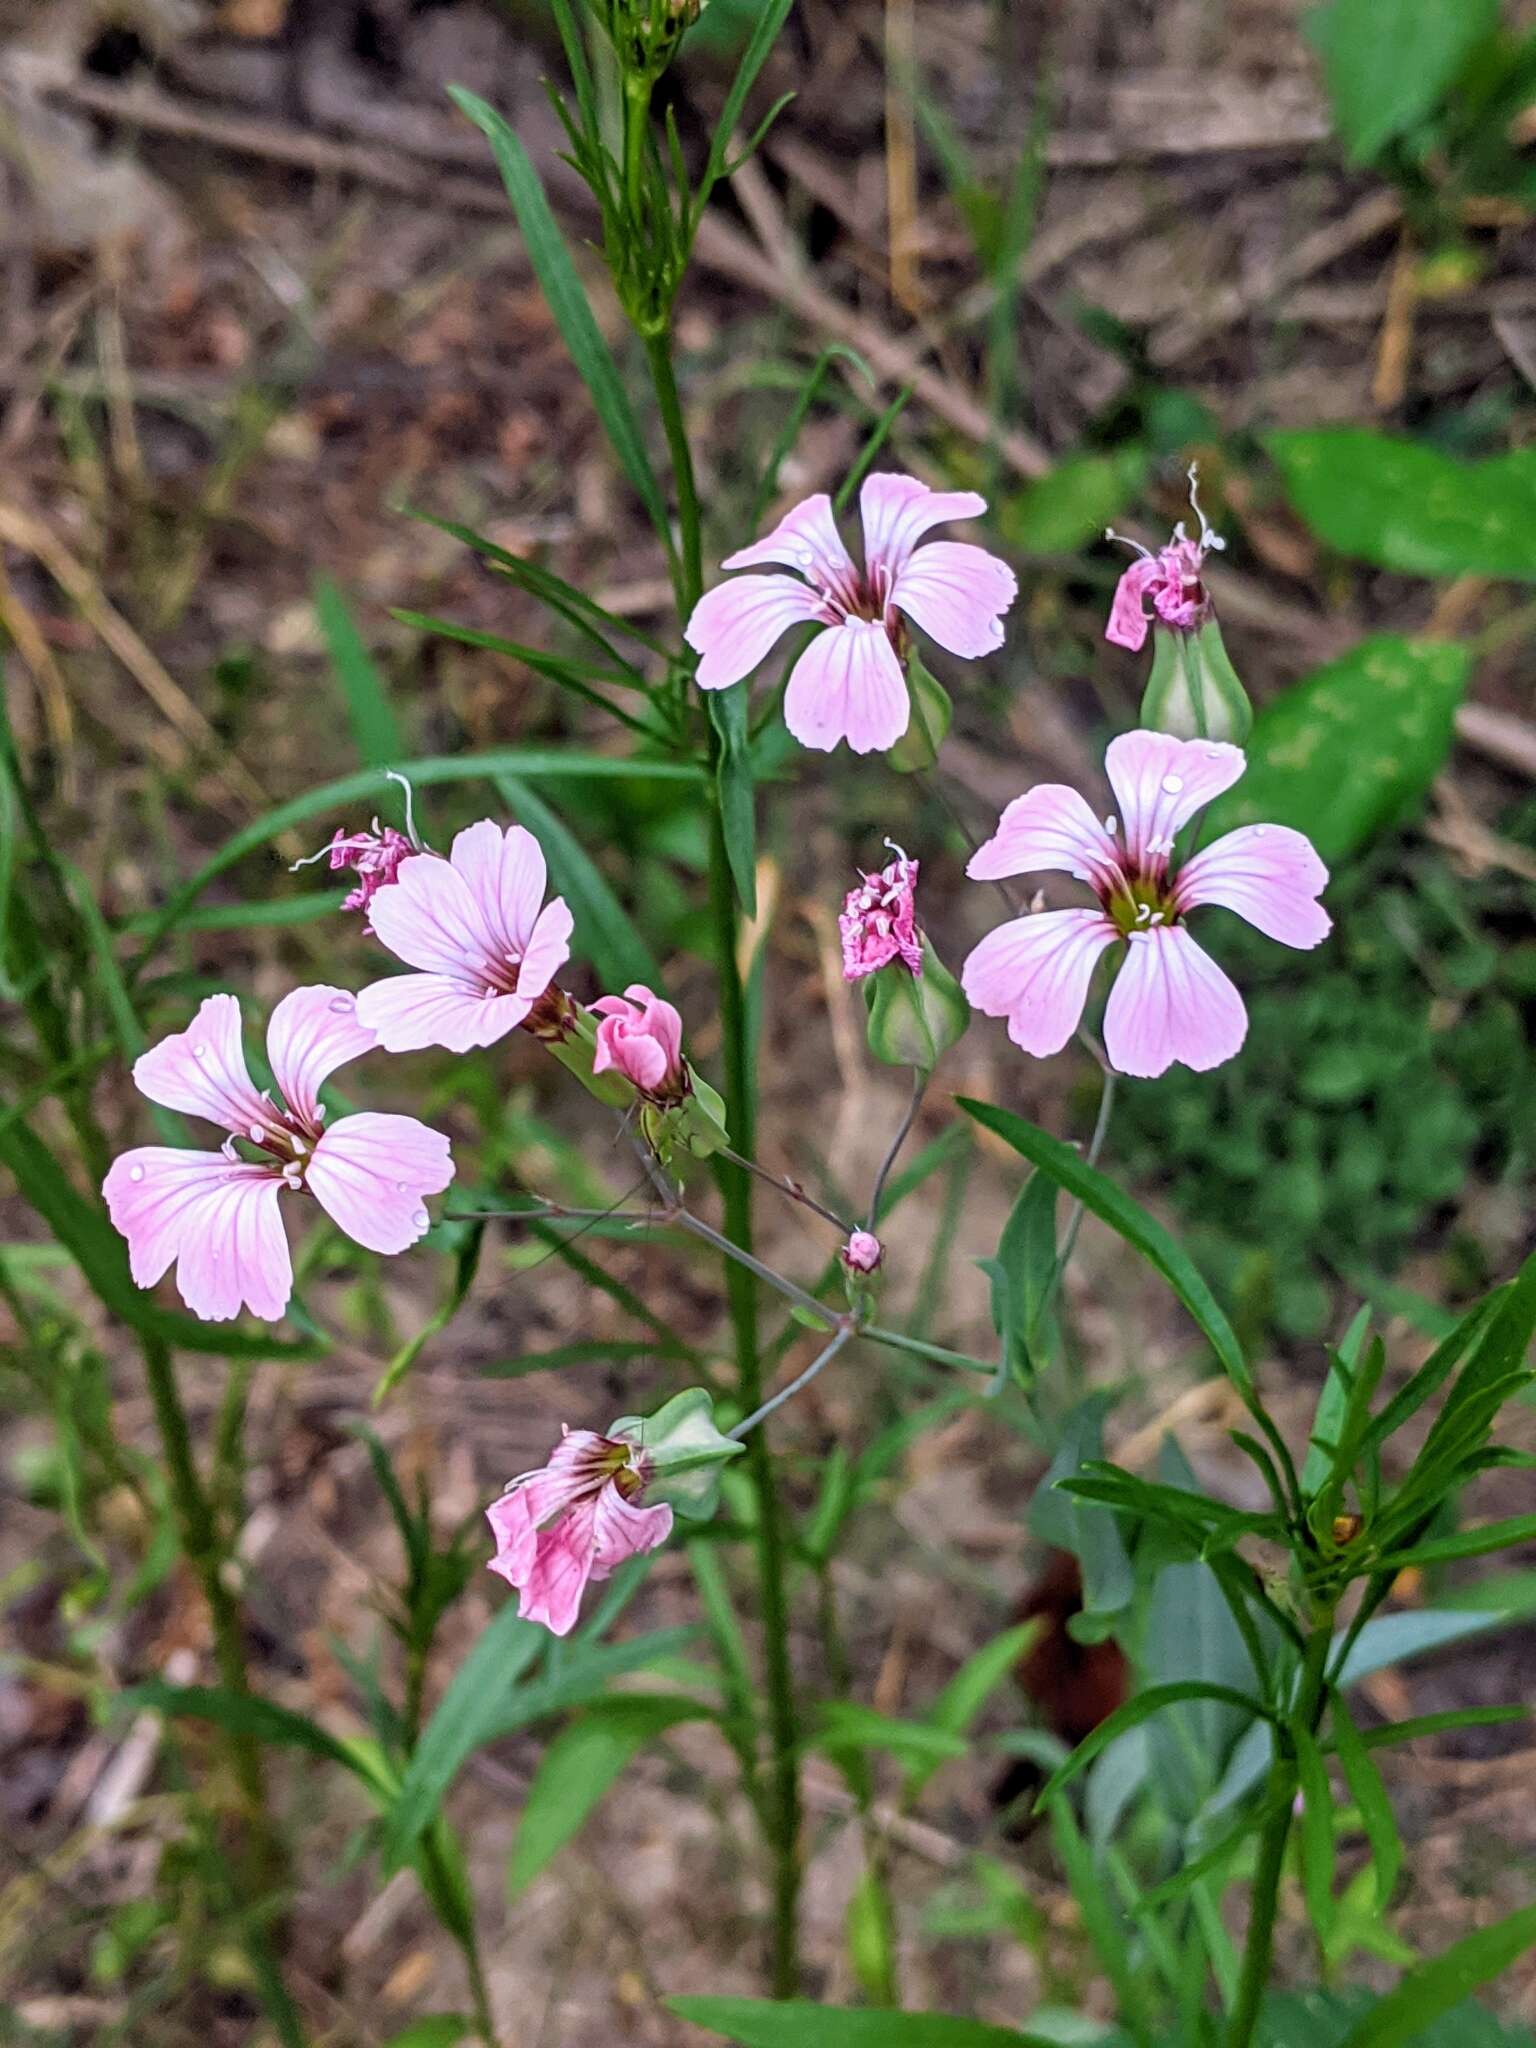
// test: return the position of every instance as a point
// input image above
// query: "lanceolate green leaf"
(1407, 507)
(1388, 63)
(1141, 1707)
(373, 721)
(1465, 1543)
(1435, 1987)
(733, 786)
(771, 16)
(1352, 748)
(568, 302)
(242, 1714)
(604, 931)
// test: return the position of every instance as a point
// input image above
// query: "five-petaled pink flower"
(474, 926)
(215, 1213)
(1173, 580)
(573, 1520)
(850, 684)
(1170, 1001)
(878, 921)
(375, 856)
(641, 1037)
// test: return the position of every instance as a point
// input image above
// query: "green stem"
(690, 577)
(200, 1541)
(1258, 1949)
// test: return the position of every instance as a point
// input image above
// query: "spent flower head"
(851, 682)
(878, 922)
(1169, 1001)
(1172, 581)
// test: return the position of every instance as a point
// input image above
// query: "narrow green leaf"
(579, 1766)
(850, 1725)
(734, 791)
(1370, 1796)
(1141, 1707)
(568, 301)
(1106, 1930)
(1435, 1987)
(1328, 1418)
(466, 1263)
(771, 16)
(434, 2030)
(1441, 1724)
(1316, 1833)
(240, 1714)
(1465, 1543)
(368, 707)
(604, 931)
(800, 2023)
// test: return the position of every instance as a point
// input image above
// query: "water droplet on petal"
(256, 1134)
(402, 1187)
(1173, 784)
(341, 1004)
(421, 1219)
(1259, 831)
(135, 1173)
(199, 1052)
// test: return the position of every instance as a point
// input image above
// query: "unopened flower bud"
(641, 1037)
(915, 1018)
(863, 1252)
(683, 1452)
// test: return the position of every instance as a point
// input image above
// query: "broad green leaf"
(563, 289)
(1023, 1277)
(486, 1700)
(1352, 748)
(1393, 1638)
(1141, 1707)
(799, 2023)
(1389, 63)
(368, 785)
(604, 931)
(1436, 1987)
(368, 707)
(102, 1256)
(1086, 1529)
(1059, 513)
(580, 1765)
(1407, 507)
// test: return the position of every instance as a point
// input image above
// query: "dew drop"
(135, 1173)
(421, 1219)
(402, 1187)
(1173, 784)
(1259, 831)
(256, 1134)
(199, 1052)
(340, 1004)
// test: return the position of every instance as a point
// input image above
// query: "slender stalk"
(730, 1248)
(690, 578)
(919, 1083)
(822, 1359)
(921, 1348)
(1258, 1949)
(1090, 1158)
(200, 1541)
(790, 1188)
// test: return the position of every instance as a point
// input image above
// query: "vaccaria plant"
(1244, 1629)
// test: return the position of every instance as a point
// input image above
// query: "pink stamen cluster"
(375, 857)
(1172, 581)
(878, 923)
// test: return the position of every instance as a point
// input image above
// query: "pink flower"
(1170, 1001)
(641, 1037)
(850, 684)
(216, 1213)
(571, 1521)
(376, 856)
(1172, 579)
(473, 924)
(879, 921)
(863, 1252)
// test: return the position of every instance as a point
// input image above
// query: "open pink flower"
(1170, 1001)
(474, 926)
(878, 921)
(850, 683)
(215, 1213)
(641, 1037)
(573, 1520)
(1172, 581)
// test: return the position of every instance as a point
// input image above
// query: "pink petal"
(202, 1070)
(410, 1011)
(369, 1173)
(1267, 874)
(623, 1530)
(217, 1218)
(956, 593)
(734, 626)
(1160, 783)
(897, 511)
(848, 685)
(1128, 621)
(516, 1532)
(1036, 972)
(563, 1557)
(1171, 1002)
(807, 539)
(549, 947)
(429, 917)
(506, 876)
(1048, 830)
(312, 1032)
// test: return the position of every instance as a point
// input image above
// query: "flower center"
(1141, 904)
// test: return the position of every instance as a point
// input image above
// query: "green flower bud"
(685, 1454)
(932, 711)
(1194, 691)
(915, 1018)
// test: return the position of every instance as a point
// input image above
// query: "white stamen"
(1143, 913)
(394, 775)
(1210, 539)
(1126, 542)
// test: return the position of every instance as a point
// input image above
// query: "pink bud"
(641, 1037)
(863, 1252)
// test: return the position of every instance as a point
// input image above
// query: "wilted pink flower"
(878, 923)
(375, 855)
(850, 684)
(474, 925)
(863, 1252)
(641, 1037)
(573, 1520)
(216, 1213)
(1172, 579)
(1170, 1001)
